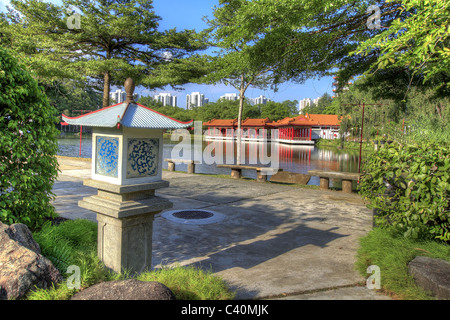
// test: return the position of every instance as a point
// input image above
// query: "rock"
(290, 177)
(22, 267)
(20, 233)
(433, 275)
(130, 289)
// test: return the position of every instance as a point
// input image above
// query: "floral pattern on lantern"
(107, 156)
(142, 158)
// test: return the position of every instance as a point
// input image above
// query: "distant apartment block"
(167, 99)
(303, 104)
(229, 96)
(259, 100)
(195, 99)
(307, 103)
(120, 96)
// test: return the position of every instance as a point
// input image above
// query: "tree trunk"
(106, 85)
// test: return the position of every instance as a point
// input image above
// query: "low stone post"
(191, 167)
(324, 183)
(236, 173)
(347, 186)
(171, 166)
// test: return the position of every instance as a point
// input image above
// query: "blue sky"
(187, 14)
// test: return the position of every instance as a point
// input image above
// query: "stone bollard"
(191, 167)
(171, 166)
(347, 186)
(324, 183)
(236, 173)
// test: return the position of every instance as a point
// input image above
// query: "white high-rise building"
(260, 100)
(118, 96)
(230, 96)
(195, 99)
(303, 104)
(167, 99)
(316, 101)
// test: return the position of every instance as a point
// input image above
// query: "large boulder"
(130, 289)
(22, 267)
(433, 275)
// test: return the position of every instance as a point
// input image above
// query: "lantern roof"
(128, 114)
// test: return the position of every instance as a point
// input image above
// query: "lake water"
(297, 159)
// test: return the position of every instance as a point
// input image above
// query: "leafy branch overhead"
(419, 42)
(115, 40)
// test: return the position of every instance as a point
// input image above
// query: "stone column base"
(125, 221)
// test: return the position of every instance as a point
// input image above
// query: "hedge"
(409, 186)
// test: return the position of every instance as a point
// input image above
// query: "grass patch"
(74, 242)
(190, 283)
(392, 253)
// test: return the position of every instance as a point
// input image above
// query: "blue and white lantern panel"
(142, 157)
(107, 156)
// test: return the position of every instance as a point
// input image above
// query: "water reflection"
(297, 159)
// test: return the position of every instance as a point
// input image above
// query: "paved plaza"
(269, 241)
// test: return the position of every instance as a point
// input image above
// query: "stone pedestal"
(125, 221)
(347, 186)
(191, 167)
(261, 176)
(324, 183)
(236, 173)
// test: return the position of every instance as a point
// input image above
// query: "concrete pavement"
(274, 242)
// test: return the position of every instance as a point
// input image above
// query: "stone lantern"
(127, 155)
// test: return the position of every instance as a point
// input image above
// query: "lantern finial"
(129, 89)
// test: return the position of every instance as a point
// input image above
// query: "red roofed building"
(221, 128)
(303, 129)
(252, 129)
(257, 129)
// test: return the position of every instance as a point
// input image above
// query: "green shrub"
(28, 146)
(409, 185)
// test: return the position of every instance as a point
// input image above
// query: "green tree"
(235, 63)
(305, 38)
(276, 111)
(419, 42)
(322, 104)
(28, 166)
(114, 40)
(67, 96)
(226, 109)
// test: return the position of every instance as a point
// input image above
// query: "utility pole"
(362, 127)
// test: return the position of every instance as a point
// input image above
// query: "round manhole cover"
(193, 216)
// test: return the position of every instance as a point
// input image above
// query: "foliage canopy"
(28, 166)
